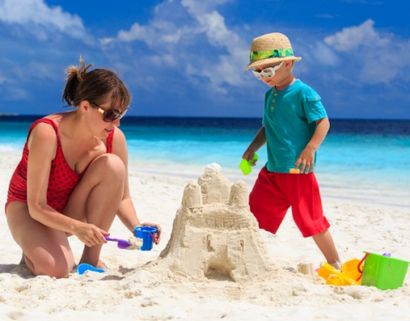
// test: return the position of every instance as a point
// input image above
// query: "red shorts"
(274, 193)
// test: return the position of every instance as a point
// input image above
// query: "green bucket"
(384, 272)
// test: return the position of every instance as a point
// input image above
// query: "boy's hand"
(306, 159)
(248, 155)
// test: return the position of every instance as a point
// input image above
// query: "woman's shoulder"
(43, 131)
(55, 118)
(118, 135)
(52, 121)
(43, 138)
(119, 143)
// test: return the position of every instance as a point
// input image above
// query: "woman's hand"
(306, 160)
(90, 234)
(157, 235)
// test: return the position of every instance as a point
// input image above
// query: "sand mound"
(214, 235)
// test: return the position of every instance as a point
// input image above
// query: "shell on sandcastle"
(214, 234)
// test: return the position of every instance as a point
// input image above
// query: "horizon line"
(12, 115)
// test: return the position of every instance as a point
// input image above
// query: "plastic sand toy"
(85, 267)
(246, 166)
(146, 233)
(348, 275)
(383, 271)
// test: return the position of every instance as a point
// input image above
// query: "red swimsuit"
(62, 178)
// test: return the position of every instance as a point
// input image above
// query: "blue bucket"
(146, 233)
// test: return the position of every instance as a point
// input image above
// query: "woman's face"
(105, 117)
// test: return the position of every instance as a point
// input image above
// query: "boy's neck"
(285, 82)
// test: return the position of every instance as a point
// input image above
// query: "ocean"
(370, 158)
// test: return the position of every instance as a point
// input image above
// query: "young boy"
(294, 125)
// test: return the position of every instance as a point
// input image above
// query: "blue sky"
(187, 57)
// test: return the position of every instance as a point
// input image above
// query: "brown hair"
(95, 86)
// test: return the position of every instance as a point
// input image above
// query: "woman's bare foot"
(23, 260)
(101, 264)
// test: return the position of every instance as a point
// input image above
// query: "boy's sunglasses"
(268, 72)
(109, 115)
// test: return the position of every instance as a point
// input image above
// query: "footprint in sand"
(15, 315)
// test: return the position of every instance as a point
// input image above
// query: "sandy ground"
(136, 287)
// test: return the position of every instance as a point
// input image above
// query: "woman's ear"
(85, 105)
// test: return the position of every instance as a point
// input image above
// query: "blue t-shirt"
(290, 120)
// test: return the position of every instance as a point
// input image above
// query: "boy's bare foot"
(337, 265)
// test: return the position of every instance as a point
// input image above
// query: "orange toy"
(348, 275)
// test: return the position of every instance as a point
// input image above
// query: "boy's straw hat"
(270, 48)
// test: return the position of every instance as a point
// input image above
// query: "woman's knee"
(58, 267)
(109, 165)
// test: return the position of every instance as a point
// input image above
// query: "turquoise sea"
(363, 156)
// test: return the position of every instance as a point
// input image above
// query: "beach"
(183, 93)
(137, 287)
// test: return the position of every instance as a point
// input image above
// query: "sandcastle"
(214, 234)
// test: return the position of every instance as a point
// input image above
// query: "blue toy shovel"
(84, 267)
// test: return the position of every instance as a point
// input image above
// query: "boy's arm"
(322, 128)
(307, 158)
(257, 142)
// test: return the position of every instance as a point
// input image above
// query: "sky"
(187, 58)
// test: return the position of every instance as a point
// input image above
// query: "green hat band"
(275, 53)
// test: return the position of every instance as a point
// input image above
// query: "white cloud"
(195, 32)
(325, 55)
(36, 14)
(352, 38)
(159, 31)
(228, 68)
(368, 55)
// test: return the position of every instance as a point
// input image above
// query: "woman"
(72, 178)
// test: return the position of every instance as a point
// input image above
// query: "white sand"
(133, 290)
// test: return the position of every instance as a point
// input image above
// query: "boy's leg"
(325, 243)
(303, 190)
(267, 203)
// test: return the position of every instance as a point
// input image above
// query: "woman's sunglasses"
(268, 72)
(109, 115)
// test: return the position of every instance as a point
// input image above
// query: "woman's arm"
(126, 211)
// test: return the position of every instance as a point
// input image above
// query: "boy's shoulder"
(307, 91)
(302, 86)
